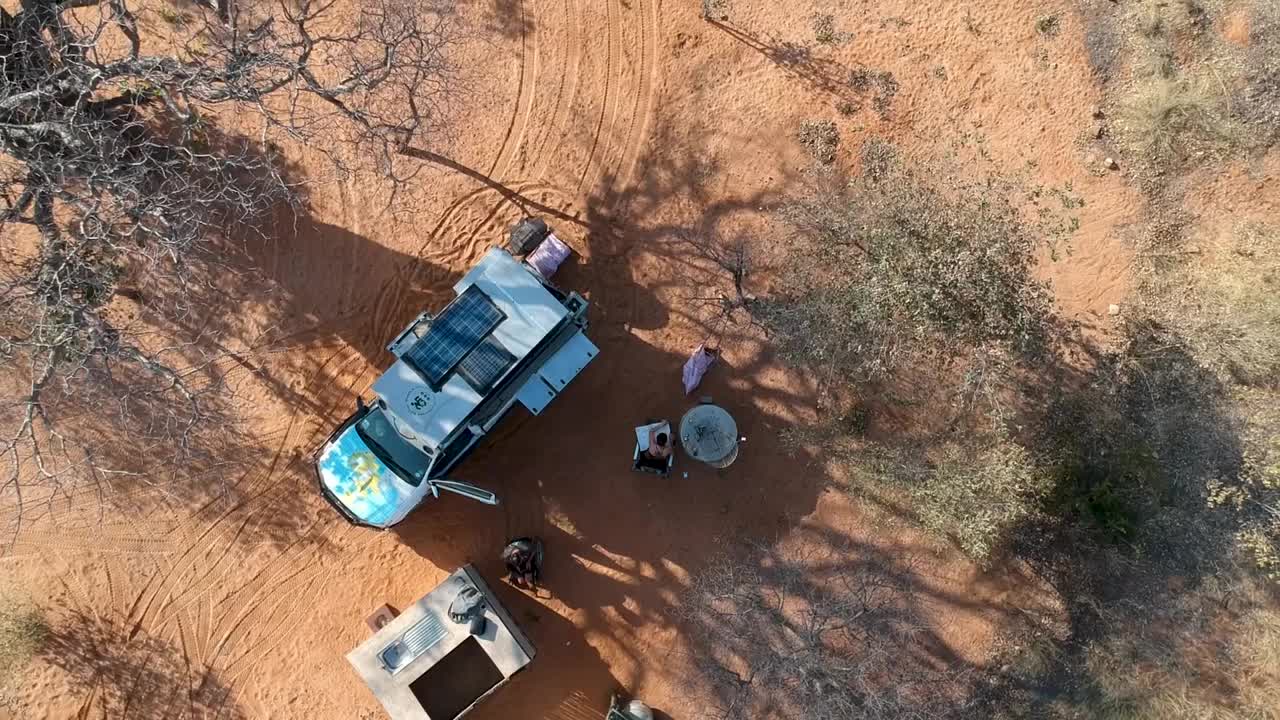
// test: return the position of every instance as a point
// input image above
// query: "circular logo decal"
(419, 401)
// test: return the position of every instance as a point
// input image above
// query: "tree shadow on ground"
(289, 316)
(130, 674)
(567, 680)
(319, 303)
(617, 540)
(1134, 440)
(820, 625)
(509, 19)
(1127, 538)
(621, 545)
(153, 423)
(795, 59)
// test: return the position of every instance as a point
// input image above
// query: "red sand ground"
(621, 121)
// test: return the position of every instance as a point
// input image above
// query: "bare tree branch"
(113, 156)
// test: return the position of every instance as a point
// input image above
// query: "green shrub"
(820, 138)
(1049, 26)
(905, 263)
(22, 632)
(972, 493)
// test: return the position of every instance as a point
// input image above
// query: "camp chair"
(537, 557)
(643, 463)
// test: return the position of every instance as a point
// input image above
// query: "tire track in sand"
(568, 71)
(646, 102)
(629, 85)
(206, 553)
(526, 79)
(225, 612)
(610, 26)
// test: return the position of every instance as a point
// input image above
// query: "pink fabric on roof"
(546, 258)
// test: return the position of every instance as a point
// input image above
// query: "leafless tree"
(112, 157)
(810, 633)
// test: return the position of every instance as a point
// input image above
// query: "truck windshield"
(378, 432)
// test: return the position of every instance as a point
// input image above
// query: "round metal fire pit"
(709, 434)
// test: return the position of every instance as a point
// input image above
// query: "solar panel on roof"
(456, 331)
(486, 364)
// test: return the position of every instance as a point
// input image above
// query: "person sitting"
(654, 447)
(659, 445)
(521, 558)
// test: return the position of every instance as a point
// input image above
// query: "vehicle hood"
(362, 483)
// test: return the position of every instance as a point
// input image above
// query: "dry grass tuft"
(824, 30)
(1257, 655)
(1228, 305)
(1049, 26)
(1167, 117)
(1150, 19)
(820, 138)
(22, 633)
(716, 10)
(1171, 686)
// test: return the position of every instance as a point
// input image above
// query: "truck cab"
(509, 336)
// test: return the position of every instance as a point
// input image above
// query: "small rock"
(1111, 164)
(1097, 112)
(1099, 131)
(1113, 309)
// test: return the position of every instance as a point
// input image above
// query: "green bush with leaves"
(973, 492)
(912, 262)
(820, 138)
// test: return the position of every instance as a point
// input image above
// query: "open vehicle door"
(478, 494)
